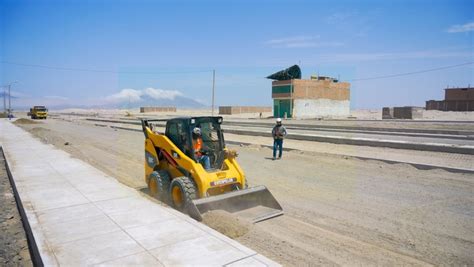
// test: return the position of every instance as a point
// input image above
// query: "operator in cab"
(199, 152)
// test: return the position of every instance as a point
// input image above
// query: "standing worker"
(278, 133)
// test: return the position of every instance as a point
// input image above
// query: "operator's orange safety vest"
(197, 144)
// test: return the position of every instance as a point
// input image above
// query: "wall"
(314, 89)
(228, 110)
(313, 108)
(313, 98)
(462, 105)
(407, 112)
(435, 105)
(466, 105)
(311, 89)
(459, 94)
(282, 89)
(157, 109)
(387, 113)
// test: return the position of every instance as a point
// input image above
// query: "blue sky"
(174, 45)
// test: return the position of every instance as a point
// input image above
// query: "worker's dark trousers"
(205, 161)
(277, 143)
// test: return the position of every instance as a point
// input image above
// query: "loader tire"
(182, 190)
(164, 181)
(153, 184)
(159, 184)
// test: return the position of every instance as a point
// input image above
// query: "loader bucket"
(253, 204)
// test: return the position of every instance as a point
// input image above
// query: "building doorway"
(282, 107)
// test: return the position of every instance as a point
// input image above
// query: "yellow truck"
(38, 112)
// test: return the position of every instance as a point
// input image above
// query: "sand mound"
(226, 223)
(24, 121)
(46, 136)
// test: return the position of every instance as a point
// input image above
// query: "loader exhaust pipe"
(253, 204)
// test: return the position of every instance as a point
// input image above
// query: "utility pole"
(5, 99)
(213, 88)
(9, 100)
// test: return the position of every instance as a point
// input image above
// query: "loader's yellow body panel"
(173, 176)
(208, 182)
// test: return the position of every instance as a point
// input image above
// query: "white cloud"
(301, 41)
(134, 96)
(161, 94)
(203, 102)
(131, 95)
(468, 27)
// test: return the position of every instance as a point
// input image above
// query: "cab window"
(177, 134)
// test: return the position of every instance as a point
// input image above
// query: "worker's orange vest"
(197, 146)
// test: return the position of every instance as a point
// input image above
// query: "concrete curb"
(33, 248)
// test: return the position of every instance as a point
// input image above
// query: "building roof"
(293, 72)
(460, 88)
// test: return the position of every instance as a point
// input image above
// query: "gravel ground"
(13, 244)
(338, 210)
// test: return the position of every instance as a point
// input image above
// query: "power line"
(208, 71)
(99, 71)
(412, 73)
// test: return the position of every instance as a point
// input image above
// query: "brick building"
(157, 109)
(455, 99)
(317, 97)
(229, 110)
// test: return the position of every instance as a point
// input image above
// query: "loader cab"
(180, 132)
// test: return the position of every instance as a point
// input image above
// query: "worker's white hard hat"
(279, 120)
(197, 130)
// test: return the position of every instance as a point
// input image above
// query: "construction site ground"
(76, 215)
(380, 143)
(14, 249)
(338, 209)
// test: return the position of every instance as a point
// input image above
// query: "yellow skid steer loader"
(190, 166)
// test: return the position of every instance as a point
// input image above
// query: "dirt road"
(338, 210)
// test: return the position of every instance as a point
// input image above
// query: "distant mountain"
(125, 99)
(146, 101)
(179, 102)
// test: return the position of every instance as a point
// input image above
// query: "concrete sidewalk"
(81, 216)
